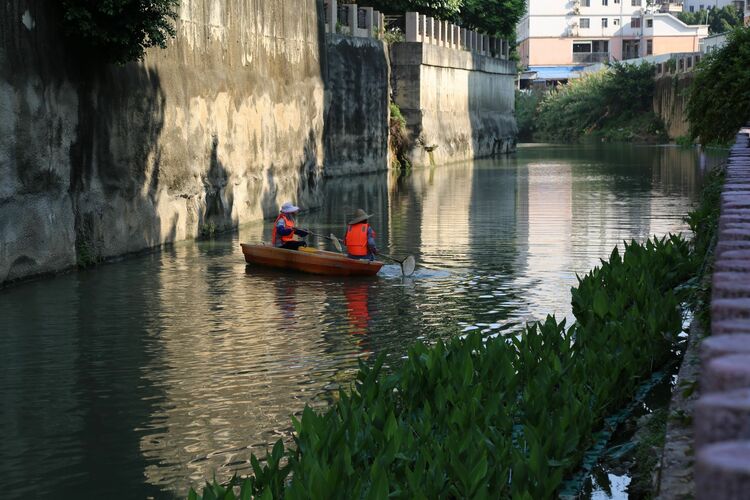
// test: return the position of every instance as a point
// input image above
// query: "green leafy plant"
(118, 31)
(719, 103)
(399, 139)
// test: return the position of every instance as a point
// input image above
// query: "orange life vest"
(289, 224)
(356, 239)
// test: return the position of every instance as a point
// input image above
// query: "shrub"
(719, 102)
(611, 98)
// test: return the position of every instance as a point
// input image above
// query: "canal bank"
(165, 366)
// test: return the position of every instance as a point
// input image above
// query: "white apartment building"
(696, 5)
(562, 33)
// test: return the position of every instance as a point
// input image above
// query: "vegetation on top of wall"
(493, 17)
(118, 31)
(614, 104)
(719, 101)
(489, 417)
(399, 140)
(719, 20)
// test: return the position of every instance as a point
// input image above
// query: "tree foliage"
(719, 102)
(719, 20)
(118, 31)
(442, 9)
(494, 17)
(614, 96)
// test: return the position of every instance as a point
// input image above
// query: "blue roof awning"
(556, 72)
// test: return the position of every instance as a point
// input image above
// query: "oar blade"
(336, 243)
(408, 265)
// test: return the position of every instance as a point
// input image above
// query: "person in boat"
(284, 234)
(360, 237)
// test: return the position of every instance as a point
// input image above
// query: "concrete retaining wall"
(99, 161)
(356, 112)
(670, 102)
(458, 104)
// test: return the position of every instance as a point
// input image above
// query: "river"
(143, 377)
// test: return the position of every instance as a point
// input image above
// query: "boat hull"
(309, 260)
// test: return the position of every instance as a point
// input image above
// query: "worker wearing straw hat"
(284, 234)
(360, 237)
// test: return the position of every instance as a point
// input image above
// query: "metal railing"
(590, 57)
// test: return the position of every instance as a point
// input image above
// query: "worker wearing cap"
(360, 237)
(284, 234)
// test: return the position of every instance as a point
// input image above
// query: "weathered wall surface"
(101, 161)
(457, 103)
(356, 112)
(670, 103)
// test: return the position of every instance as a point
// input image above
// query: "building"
(696, 5)
(564, 34)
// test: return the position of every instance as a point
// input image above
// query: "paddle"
(407, 265)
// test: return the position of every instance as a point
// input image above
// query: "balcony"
(590, 57)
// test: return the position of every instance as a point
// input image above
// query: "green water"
(143, 377)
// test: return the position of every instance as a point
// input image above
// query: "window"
(649, 23)
(649, 47)
(604, 22)
(586, 3)
(702, 7)
(615, 22)
(635, 3)
(617, 1)
(582, 48)
(635, 22)
(604, 2)
(585, 22)
(692, 8)
(600, 46)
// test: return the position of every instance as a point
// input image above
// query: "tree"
(719, 103)
(118, 31)
(446, 10)
(494, 17)
(718, 20)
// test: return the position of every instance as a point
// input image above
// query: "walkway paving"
(722, 413)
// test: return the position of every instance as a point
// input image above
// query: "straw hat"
(288, 208)
(359, 216)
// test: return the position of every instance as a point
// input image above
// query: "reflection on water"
(146, 376)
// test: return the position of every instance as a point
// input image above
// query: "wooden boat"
(309, 260)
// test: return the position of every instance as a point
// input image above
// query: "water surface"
(143, 377)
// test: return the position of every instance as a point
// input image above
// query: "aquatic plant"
(485, 417)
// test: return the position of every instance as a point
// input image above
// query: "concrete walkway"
(722, 413)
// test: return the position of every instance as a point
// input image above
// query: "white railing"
(353, 20)
(424, 29)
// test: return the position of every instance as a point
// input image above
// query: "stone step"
(722, 416)
(726, 373)
(722, 345)
(722, 471)
(730, 308)
(730, 326)
(725, 264)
